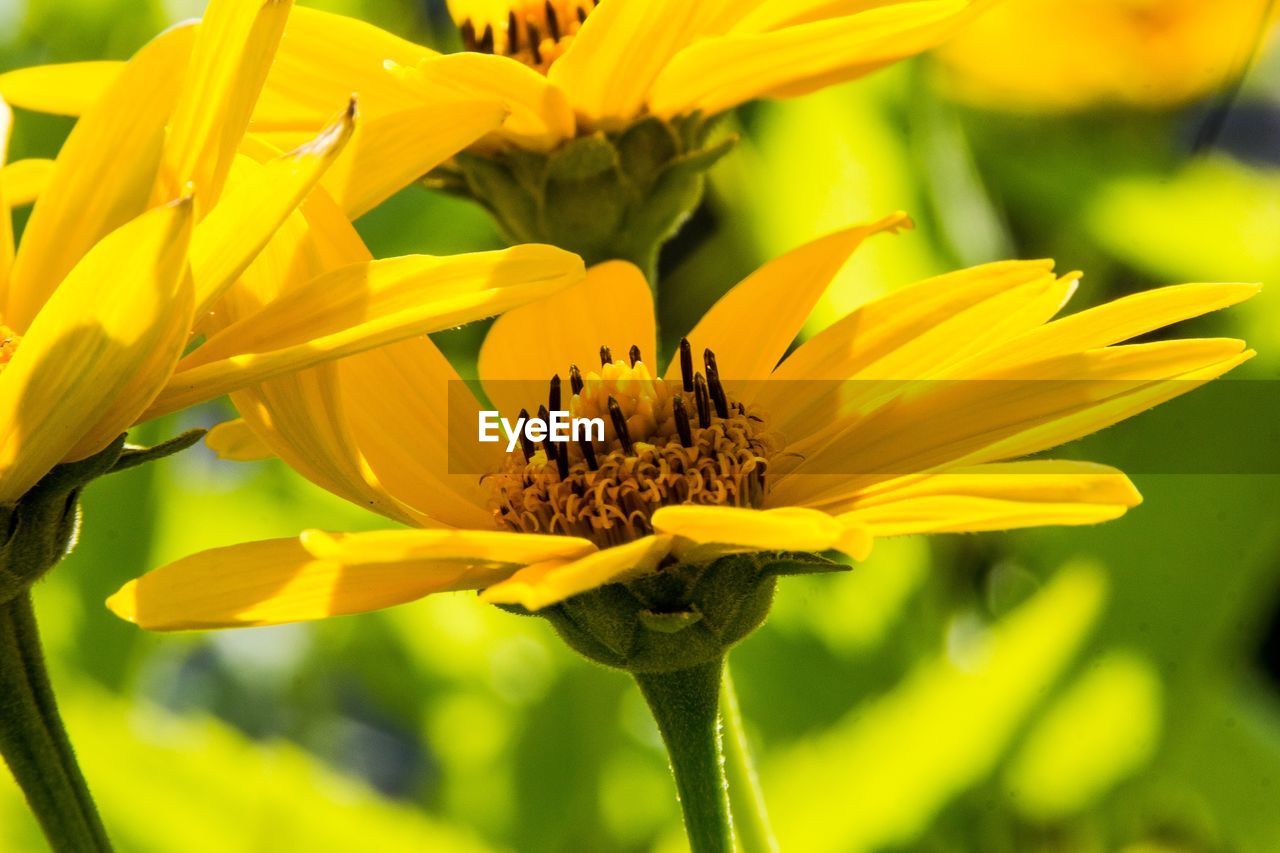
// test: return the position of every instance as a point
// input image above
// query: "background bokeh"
(1098, 689)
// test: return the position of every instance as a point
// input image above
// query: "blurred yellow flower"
(863, 431)
(1070, 54)
(146, 223)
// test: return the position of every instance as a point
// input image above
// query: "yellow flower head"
(148, 228)
(569, 67)
(1070, 54)
(910, 415)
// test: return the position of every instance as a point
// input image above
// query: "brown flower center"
(664, 443)
(535, 32)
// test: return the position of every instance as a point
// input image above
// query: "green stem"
(685, 705)
(750, 817)
(34, 743)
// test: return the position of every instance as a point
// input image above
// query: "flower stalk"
(36, 533)
(35, 744)
(685, 704)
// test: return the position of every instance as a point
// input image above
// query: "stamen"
(534, 32)
(634, 354)
(562, 464)
(702, 397)
(683, 428)
(589, 454)
(526, 443)
(575, 379)
(606, 356)
(713, 381)
(548, 445)
(686, 365)
(553, 398)
(620, 426)
(513, 32)
(553, 21)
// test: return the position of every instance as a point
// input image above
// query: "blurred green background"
(1097, 689)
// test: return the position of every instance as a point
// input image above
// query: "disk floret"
(535, 32)
(665, 442)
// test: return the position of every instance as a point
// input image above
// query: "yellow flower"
(1069, 54)
(147, 231)
(738, 450)
(569, 67)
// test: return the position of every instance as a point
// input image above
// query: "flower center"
(536, 32)
(664, 443)
(9, 341)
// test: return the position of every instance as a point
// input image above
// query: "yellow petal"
(612, 306)
(322, 60)
(969, 422)
(615, 57)
(104, 173)
(717, 74)
(994, 497)
(276, 581)
(407, 409)
(98, 351)
(235, 231)
(6, 218)
(470, 546)
(364, 306)
(301, 416)
(24, 180)
(1121, 320)
(773, 15)
(956, 346)
(782, 529)
(751, 326)
(390, 152)
(235, 440)
(235, 44)
(540, 117)
(552, 581)
(69, 89)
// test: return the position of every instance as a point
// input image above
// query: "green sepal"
(40, 529)
(685, 615)
(605, 196)
(134, 455)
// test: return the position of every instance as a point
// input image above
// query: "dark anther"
(582, 15)
(535, 42)
(526, 444)
(553, 21)
(620, 425)
(468, 31)
(702, 397)
(547, 445)
(634, 353)
(588, 453)
(606, 356)
(686, 365)
(485, 45)
(553, 398)
(513, 33)
(562, 464)
(575, 379)
(682, 422)
(713, 381)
